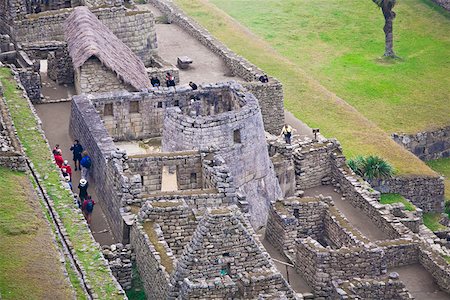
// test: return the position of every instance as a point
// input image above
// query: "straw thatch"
(86, 36)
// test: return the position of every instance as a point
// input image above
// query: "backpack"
(89, 205)
(86, 162)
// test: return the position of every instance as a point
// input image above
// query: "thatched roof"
(86, 36)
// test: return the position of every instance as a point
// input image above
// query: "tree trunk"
(389, 16)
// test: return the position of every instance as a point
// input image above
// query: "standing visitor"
(88, 208)
(85, 165)
(155, 81)
(83, 186)
(68, 182)
(77, 149)
(58, 158)
(287, 133)
(57, 149)
(193, 85)
(68, 168)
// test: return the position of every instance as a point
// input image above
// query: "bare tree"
(386, 7)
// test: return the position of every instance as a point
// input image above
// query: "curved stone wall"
(238, 135)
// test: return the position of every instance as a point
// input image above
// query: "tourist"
(88, 208)
(170, 80)
(68, 182)
(287, 132)
(68, 168)
(155, 81)
(57, 149)
(77, 149)
(83, 187)
(85, 165)
(58, 158)
(193, 85)
(264, 78)
(37, 9)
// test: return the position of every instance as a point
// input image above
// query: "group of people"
(82, 162)
(170, 81)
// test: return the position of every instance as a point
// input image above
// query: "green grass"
(38, 152)
(397, 198)
(431, 220)
(341, 43)
(137, 287)
(305, 97)
(29, 261)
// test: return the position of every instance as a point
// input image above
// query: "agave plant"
(389, 16)
(371, 167)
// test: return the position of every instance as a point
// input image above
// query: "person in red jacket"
(58, 158)
(68, 168)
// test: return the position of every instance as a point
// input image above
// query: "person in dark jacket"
(85, 165)
(193, 86)
(155, 82)
(83, 187)
(77, 149)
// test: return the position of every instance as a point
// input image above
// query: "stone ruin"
(187, 210)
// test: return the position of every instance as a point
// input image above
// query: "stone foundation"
(429, 144)
(120, 259)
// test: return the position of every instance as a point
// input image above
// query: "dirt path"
(55, 123)
(174, 41)
(420, 283)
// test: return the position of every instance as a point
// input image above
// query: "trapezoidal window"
(237, 136)
(108, 110)
(134, 107)
(193, 177)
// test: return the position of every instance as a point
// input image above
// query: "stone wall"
(188, 167)
(60, 67)
(427, 193)
(320, 265)
(30, 78)
(154, 276)
(400, 252)
(176, 220)
(436, 265)
(232, 123)
(270, 94)
(313, 163)
(94, 77)
(445, 4)
(120, 259)
(135, 29)
(387, 288)
(429, 144)
(11, 153)
(281, 155)
(108, 168)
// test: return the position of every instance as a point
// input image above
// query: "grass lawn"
(29, 260)
(396, 198)
(37, 151)
(340, 43)
(431, 220)
(306, 97)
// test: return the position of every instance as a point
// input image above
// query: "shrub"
(371, 167)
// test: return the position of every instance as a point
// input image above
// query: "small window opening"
(142, 180)
(177, 103)
(237, 136)
(193, 177)
(160, 104)
(296, 212)
(134, 107)
(108, 110)
(226, 254)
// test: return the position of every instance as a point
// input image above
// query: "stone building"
(102, 62)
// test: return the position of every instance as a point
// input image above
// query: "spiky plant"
(377, 168)
(357, 165)
(389, 16)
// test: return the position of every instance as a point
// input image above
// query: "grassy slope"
(396, 198)
(304, 96)
(36, 149)
(340, 42)
(29, 261)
